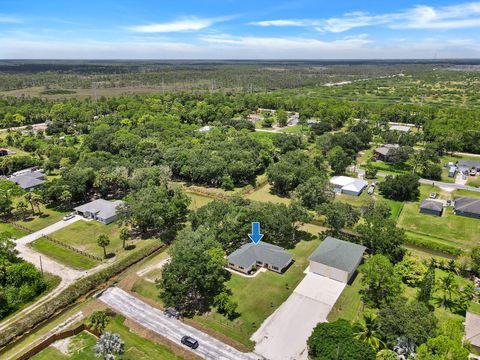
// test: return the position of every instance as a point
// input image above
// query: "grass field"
(198, 201)
(47, 217)
(17, 233)
(264, 194)
(63, 255)
(83, 236)
(81, 346)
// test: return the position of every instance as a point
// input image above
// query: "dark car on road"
(171, 312)
(190, 342)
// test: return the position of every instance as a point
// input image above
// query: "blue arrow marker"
(255, 236)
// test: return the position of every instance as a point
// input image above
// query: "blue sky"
(238, 29)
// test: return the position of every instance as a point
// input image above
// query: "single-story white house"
(336, 259)
(402, 128)
(103, 211)
(348, 185)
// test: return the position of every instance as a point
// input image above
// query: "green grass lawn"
(136, 348)
(47, 217)
(83, 236)
(198, 201)
(63, 255)
(264, 194)
(17, 233)
(259, 297)
(474, 181)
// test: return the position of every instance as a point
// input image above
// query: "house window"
(240, 267)
(259, 262)
(275, 268)
(230, 264)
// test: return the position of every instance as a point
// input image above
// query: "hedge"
(435, 246)
(72, 293)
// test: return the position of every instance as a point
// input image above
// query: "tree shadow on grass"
(130, 247)
(110, 255)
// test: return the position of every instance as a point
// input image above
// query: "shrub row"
(435, 246)
(73, 292)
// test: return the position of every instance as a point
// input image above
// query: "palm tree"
(124, 235)
(28, 197)
(37, 201)
(447, 286)
(368, 331)
(98, 321)
(22, 207)
(103, 241)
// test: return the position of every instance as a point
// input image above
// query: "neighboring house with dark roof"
(336, 259)
(467, 165)
(348, 185)
(28, 179)
(383, 152)
(432, 207)
(103, 211)
(465, 206)
(250, 256)
(472, 330)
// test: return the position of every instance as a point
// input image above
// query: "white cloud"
(466, 15)
(184, 24)
(9, 19)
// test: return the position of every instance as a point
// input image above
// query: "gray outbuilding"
(431, 207)
(465, 206)
(336, 259)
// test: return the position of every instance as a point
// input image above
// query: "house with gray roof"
(103, 211)
(336, 259)
(384, 151)
(29, 179)
(402, 128)
(466, 206)
(250, 256)
(432, 207)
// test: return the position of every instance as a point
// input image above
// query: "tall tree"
(195, 274)
(447, 285)
(339, 160)
(98, 321)
(103, 241)
(339, 215)
(381, 284)
(368, 331)
(427, 285)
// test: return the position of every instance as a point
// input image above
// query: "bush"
(73, 292)
(435, 246)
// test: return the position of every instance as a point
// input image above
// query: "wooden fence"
(47, 342)
(69, 247)
(19, 226)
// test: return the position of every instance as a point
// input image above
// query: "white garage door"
(328, 271)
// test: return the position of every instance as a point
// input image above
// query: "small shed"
(336, 259)
(431, 207)
(452, 171)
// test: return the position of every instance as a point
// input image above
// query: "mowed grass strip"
(63, 255)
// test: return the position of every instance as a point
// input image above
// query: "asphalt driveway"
(283, 335)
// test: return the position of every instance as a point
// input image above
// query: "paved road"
(432, 182)
(153, 319)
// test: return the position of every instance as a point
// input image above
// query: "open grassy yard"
(83, 236)
(264, 194)
(45, 218)
(81, 346)
(259, 297)
(449, 229)
(17, 233)
(198, 201)
(63, 255)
